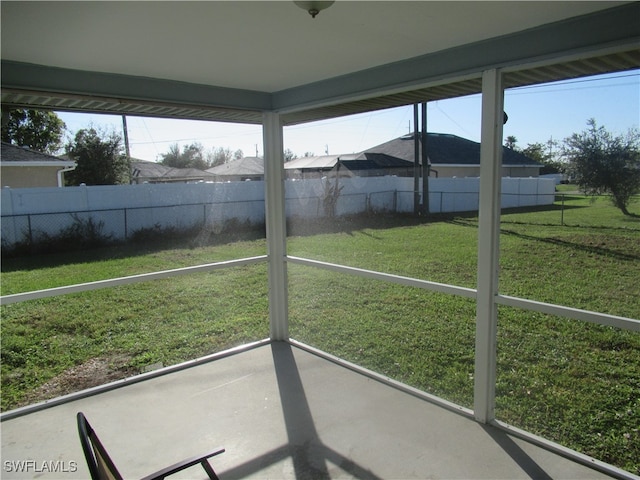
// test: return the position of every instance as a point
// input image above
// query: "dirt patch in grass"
(93, 372)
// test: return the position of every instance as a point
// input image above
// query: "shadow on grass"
(349, 224)
(593, 249)
(155, 241)
(460, 219)
(151, 242)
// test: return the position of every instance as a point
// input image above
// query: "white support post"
(276, 225)
(488, 245)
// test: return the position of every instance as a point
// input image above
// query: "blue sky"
(536, 114)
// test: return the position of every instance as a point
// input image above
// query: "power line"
(575, 81)
(437, 102)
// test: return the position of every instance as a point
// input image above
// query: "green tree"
(289, 155)
(535, 151)
(602, 163)
(542, 153)
(191, 156)
(173, 158)
(510, 142)
(38, 130)
(220, 156)
(100, 157)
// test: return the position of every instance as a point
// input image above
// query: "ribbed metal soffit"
(610, 63)
(579, 68)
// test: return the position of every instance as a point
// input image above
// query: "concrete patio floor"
(281, 412)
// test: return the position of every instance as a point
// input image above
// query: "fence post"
(562, 211)
(31, 239)
(204, 216)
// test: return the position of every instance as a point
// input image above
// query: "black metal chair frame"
(101, 467)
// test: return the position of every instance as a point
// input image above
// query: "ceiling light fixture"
(314, 7)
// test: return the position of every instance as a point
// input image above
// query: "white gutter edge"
(44, 163)
(61, 171)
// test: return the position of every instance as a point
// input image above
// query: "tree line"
(99, 154)
(596, 160)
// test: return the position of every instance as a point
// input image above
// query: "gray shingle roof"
(157, 171)
(444, 148)
(242, 166)
(14, 153)
(321, 162)
(371, 160)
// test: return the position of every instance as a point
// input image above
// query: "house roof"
(241, 166)
(23, 156)
(373, 160)
(354, 57)
(443, 149)
(446, 149)
(144, 169)
(321, 162)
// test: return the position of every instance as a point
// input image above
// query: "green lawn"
(575, 383)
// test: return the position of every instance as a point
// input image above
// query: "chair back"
(101, 467)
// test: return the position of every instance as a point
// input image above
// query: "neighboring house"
(239, 170)
(21, 167)
(143, 171)
(449, 156)
(365, 164)
(453, 156)
(311, 167)
(375, 164)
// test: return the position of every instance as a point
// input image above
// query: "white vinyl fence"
(124, 209)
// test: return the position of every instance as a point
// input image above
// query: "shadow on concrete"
(305, 448)
(511, 448)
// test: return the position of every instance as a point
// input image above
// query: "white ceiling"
(262, 45)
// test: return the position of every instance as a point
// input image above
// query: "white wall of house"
(124, 209)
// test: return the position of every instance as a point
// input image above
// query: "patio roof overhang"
(571, 44)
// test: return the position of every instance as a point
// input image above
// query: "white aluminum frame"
(275, 216)
(488, 245)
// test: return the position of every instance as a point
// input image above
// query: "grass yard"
(575, 383)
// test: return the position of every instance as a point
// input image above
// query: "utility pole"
(416, 164)
(425, 163)
(126, 146)
(420, 162)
